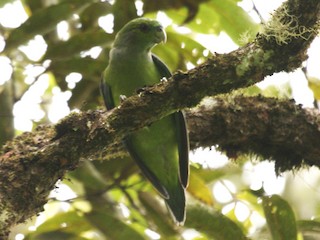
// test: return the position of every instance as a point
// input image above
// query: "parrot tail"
(176, 203)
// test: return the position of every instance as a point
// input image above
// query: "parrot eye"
(144, 28)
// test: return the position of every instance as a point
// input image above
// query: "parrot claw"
(140, 90)
(164, 79)
(122, 98)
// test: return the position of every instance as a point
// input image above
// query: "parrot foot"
(179, 75)
(164, 79)
(122, 98)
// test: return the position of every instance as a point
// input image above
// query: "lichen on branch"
(285, 26)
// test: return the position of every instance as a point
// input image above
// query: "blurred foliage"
(113, 201)
(280, 217)
(6, 106)
(314, 86)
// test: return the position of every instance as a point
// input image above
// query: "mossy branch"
(279, 131)
(31, 164)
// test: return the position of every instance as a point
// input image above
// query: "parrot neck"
(132, 47)
(130, 53)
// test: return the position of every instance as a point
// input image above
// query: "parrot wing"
(181, 134)
(109, 102)
(183, 147)
(145, 170)
(181, 128)
(107, 94)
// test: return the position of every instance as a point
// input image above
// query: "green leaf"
(73, 224)
(176, 56)
(280, 218)
(170, 56)
(283, 91)
(210, 175)
(234, 20)
(54, 235)
(253, 90)
(152, 6)
(314, 85)
(190, 5)
(198, 189)
(43, 21)
(123, 12)
(4, 2)
(156, 213)
(231, 214)
(249, 197)
(200, 23)
(309, 229)
(86, 94)
(191, 50)
(112, 227)
(115, 167)
(88, 67)
(77, 43)
(213, 224)
(94, 182)
(224, 15)
(6, 105)
(31, 6)
(91, 14)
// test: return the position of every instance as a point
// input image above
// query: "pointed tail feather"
(177, 204)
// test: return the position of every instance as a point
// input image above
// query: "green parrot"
(161, 149)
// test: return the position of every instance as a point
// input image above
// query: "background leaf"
(213, 224)
(43, 21)
(280, 218)
(111, 227)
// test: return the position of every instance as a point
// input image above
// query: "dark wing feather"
(162, 68)
(183, 145)
(107, 94)
(146, 172)
(181, 127)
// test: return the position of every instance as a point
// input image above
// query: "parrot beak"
(164, 36)
(161, 35)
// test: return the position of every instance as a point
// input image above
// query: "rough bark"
(280, 131)
(32, 163)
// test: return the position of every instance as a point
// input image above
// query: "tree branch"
(276, 130)
(31, 164)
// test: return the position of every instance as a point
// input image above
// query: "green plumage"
(160, 150)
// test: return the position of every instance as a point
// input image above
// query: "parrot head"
(142, 33)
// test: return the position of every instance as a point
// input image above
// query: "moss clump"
(284, 27)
